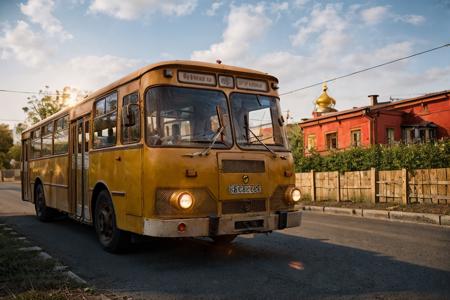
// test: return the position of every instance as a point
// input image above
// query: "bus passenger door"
(25, 172)
(79, 168)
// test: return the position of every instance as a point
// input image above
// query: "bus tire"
(111, 238)
(43, 212)
(224, 239)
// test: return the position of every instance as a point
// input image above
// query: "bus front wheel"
(43, 212)
(111, 238)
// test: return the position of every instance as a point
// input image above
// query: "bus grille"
(243, 166)
(277, 201)
(243, 206)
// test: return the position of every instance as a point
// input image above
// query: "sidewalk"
(386, 214)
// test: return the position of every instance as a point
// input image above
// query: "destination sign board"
(251, 84)
(197, 78)
(226, 81)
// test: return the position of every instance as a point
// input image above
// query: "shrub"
(395, 157)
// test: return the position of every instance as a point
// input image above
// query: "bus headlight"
(182, 200)
(293, 195)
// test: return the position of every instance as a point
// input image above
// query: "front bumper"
(212, 226)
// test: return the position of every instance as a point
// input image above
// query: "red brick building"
(412, 120)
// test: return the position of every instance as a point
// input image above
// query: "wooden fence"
(398, 186)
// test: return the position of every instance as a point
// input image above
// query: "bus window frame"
(46, 135)
(94, 117)
(68, 134)
(275, 148)
(140, 121)
(33, 138)
(189, 87)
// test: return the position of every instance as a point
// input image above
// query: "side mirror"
(129, 114)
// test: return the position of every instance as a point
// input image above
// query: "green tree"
(411, 157)
(6, 142)
(295, 137)
(39, 108)
(15, 151)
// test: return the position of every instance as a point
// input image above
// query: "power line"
(11, 120)
(364, 70)
(19, 92)
(29, 92)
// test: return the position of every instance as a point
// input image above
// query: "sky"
(87, 44)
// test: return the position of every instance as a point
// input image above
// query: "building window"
(418, 134)
(356, 138)
(332, 142)
(105, 121)
(311, 142)
(390, 137)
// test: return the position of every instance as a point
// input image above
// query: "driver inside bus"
(202, 127)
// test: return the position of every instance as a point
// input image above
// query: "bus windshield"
(186, 117)
(257, 121)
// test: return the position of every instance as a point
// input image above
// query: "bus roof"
(143, 70)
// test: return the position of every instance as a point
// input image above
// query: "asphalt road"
(327, 257)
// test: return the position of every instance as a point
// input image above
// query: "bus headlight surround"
(293, 195)
(182, 200)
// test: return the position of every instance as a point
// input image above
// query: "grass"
(26, 276)
(442, 209)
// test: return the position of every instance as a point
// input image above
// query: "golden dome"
(324, 103)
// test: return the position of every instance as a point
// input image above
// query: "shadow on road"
(274, 266)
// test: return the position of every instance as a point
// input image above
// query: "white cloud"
(245, 24)
(300, 3)
(279, 6)
(411, 19)
(214, 8)
(296, 71)
(41, 12)
(375, 14)
(93, 72)
(133, 9)
(328, 23)
(24, 45)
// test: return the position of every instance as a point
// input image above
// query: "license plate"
(244, 189)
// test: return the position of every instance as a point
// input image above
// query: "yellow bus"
(175, 149)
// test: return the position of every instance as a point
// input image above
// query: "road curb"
(445, 220)
(43, 255)
(422, 218)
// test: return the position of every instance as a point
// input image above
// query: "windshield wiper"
(206, 151)
(247, 127)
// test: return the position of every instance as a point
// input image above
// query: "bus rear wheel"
(43, 212)
(111, 238)
(224, 239)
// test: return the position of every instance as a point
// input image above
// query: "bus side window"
(61, 137)
(47, 139)
(105, 122)
(36, 143)
(131, 134)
